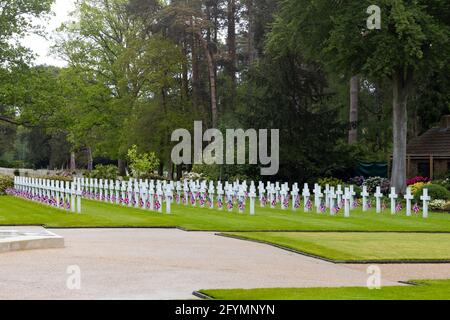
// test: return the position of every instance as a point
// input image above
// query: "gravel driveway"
(166, 264)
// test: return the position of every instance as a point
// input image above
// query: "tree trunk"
(171, 170)
(90, 160)
(231, 42)
(121, 166)
(195, 71)
(73, 165)
(354, 92)
(212, 81)
(160, 169)
(179, 169)
(401, 86)
(251, 33)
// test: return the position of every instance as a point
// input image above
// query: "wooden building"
(429, 154)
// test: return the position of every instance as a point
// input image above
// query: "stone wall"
(27, 172)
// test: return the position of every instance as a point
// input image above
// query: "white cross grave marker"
(364, 195)
(352, 194)
(333, 197)
(306, 194)
(347, 198)
(425, 198)
(393, 196)
(252, 196)
(408, 197)
(378, 196)
(294, 194)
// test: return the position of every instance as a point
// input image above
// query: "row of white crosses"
(150, 195)
(59, 194)
(393, 196)
(134, 193)
(334, 199)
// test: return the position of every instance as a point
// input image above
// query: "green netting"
(372, 169)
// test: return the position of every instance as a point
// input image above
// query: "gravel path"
(170, 264)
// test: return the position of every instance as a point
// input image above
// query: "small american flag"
(322, 208)
(297, 202)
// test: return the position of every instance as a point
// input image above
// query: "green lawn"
(15, 211)
(351, 246)
(425, 290)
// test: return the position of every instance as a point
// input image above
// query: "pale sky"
(40, 45)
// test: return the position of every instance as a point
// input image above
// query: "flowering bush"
(447, 206)
(192, 176)
(374, 182)
(417, 179)
(438, 204)
(332, 182)
(5, 183)
(359, 181)
(416, 186)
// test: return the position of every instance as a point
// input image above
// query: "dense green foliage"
(435, 191)
(110, 172)
(5, 183)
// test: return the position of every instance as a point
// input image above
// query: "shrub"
(447, 206)
(211, 172)
(417, 179)
(5, 183)
(193, 176)
(332, 182)
(109, 172)
(437, 204)
(58, 177)
(417, 186)
(357, 181)
(143, 163)
(374, 182)
(445, 183)
(435, 191)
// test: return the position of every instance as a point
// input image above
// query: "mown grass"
(16, 211)
(424, 290)
(360, 246)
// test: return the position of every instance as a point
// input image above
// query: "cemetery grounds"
(363, 239)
